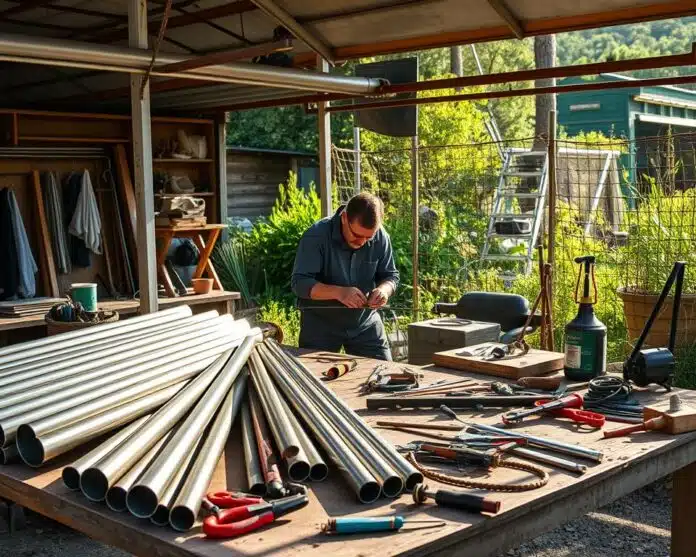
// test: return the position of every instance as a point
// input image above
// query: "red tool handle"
(581, 416)
(235, 522)
(647, 425)
(228, 499)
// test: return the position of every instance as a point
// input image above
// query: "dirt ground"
(638, 524)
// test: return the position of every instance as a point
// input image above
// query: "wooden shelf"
(194, 194)
(182, 160)
(58, 139)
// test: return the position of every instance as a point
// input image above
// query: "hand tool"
(238, 520)
(339, 369)
(361, 525)
(376, 403)
(677, 418)
(458, 454)
(384, 379)
(435, 387)
(455, 499)
(568, 407)
(542, 442)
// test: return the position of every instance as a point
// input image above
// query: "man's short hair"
(367, 209)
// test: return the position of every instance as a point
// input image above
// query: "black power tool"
(656, 365)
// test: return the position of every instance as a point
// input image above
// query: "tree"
(456, 60)
(544, 57)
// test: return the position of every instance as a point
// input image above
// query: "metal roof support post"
(324, 123)
(142, 163)
(221, 147)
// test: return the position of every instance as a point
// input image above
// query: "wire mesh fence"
(631, 204)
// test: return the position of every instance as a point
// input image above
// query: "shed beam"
(25, 6)
(504, 11)
(277, 13)
(324, 124)
(142, 163)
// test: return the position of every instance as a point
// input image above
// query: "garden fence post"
(551, 169)
(415, 202)
(324, 123)
(357, 165)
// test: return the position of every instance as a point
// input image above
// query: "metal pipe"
(93, 350)
(9, 454)
(267, 458)
(255, 481)
(408, 473)
(283, 432)
(318, 470)
(81, 336)
(116, 496)
(435, 401)
(61, 401)
(35, 452)
(188, 501)
(97, 479)
(144, 497)
(78, 54)
(161, 515)
(72, 472)
(556, 462)
(343, 456)
(118, 357)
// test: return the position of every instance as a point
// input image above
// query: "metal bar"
(255, 480)
(57, 52)
(74, 338)
(556, 462)
(415, 224)
(492, 401)
(37, 451)
(343, 456)
(284, 18)
(408, 473)
(284, 434)
(267, 458)
(325, 170)
(512, 21)
(97, 479)
(597, 197)
(144, 497)
(71, 473)
(188, 502)
(357, 168)
(676, 304)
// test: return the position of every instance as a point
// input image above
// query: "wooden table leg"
(204, 263)
(683, 497)
(162, 249)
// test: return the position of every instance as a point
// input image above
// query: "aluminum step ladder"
(527, 171)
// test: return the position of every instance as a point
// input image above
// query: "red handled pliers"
(592, 419)
(241, 514)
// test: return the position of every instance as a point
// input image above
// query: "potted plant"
(662, 230)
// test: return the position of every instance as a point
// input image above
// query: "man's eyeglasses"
(358, 236)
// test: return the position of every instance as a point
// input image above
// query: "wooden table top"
(629, 464)
(184, 228)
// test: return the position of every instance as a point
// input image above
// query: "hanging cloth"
(26, 263)
(85, 223)
(56, 222)
(9, 274)
(79, 254)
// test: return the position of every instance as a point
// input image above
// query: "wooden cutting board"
(534, 363)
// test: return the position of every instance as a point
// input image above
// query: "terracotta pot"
(637, 309)
(202, 285)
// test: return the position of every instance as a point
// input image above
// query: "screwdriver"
(456, 499)
(361, 525)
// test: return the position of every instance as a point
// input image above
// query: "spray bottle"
(585, 336)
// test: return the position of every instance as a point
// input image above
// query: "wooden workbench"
(630, 463)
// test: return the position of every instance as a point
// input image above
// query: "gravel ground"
(636, 525)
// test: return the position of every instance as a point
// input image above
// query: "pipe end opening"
(141, 501)
(319, 472)
(116, 499)
(291, 451)
(393, 486)
(258, 489)
(369, 492)
(31, 451)
(299, 471)
(181, 518)
(161, 516)
(71, 478)
(94, 484)
(413, 480)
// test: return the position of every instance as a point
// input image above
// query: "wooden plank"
(534, 363)
(127, 193)
(60, 139)
(683, 497)
(47, 265)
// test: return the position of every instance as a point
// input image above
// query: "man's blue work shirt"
(324, 256)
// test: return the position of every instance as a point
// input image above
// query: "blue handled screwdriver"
(361, 525)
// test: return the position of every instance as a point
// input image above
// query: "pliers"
(241, 513)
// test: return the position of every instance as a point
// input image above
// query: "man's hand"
(379, 297)
(351, 297)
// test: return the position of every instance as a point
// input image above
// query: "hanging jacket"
(26, 264)
(79, 253)
(9, 272)
(56, 223)
(85, 223)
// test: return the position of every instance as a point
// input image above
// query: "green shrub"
(284, 315)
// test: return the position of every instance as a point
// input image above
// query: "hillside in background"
(290, 128)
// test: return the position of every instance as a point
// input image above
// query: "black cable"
(611, 396)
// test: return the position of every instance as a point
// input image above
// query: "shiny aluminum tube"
(63, 401)
(35, 383)
(98, 478)
(264, 444)
(9, 454)
(35, 451)
(131, 362)
(81, 336)
(188, 501)
(255, 481)
(341, 453)
(73, 356)
(318, 470)
(549, 460)
(116, 496)
(146, 494)
(72, 472)
(161, 515)
(101, 351)
(405, 469)
(283, 432)
(386, 474)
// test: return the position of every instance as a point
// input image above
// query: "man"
(344, 271)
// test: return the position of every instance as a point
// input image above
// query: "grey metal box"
(435, 335)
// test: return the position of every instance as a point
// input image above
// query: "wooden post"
(221, 144)
(142, 163)
(415, 204)
(47, 265)
(683, 495)
(357, 161)
(324, 123)
(551, 170)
